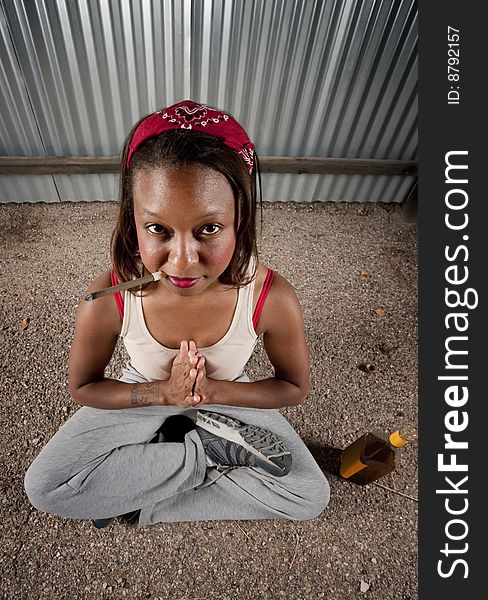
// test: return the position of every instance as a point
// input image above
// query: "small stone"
(366, 367)
(374, 561)
(364, 587)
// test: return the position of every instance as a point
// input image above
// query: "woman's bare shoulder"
(102, 311)
(281, 302)
(102, 281)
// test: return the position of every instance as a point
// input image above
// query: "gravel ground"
(355, 270)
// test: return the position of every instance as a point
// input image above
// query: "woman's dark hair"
(182, 148)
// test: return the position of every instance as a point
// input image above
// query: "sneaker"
(230, 443)
(131, 518)
(102, 523)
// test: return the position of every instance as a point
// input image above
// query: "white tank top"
(224, 360)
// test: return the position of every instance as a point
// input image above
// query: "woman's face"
(185, 225)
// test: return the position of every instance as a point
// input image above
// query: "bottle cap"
(400, 438)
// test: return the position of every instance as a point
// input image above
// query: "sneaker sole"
(232, 435)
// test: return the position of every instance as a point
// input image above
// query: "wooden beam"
(80, 165)
(58, 165)
(333, 166)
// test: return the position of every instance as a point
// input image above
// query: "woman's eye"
(154, 228)
(211, 229)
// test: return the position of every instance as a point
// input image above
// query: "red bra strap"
(118, 296)
(262, 297)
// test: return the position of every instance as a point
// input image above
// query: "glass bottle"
(372, 456)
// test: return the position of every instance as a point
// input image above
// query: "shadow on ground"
(327, 457)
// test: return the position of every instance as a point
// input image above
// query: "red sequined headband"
(191, 115)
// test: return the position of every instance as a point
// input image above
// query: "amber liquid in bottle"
(367, 459)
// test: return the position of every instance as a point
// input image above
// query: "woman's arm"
(97, 328)
(284, 340)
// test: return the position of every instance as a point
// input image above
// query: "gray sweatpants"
(100, 464)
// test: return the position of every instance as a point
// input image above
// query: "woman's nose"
(183, 254)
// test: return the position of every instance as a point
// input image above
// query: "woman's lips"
(184, 282)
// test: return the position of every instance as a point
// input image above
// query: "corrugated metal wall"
(332, 78)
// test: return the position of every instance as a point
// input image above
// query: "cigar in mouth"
(125, 286)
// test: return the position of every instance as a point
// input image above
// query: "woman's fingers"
(191, 400)
(199, 382)
(183, 353)
(191, 364)
(192, 352)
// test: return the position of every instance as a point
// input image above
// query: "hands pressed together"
(188, 378)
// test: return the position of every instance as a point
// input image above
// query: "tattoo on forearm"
(146, 395)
